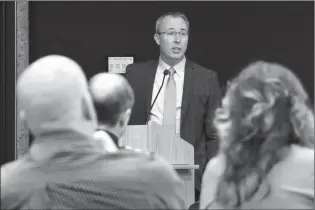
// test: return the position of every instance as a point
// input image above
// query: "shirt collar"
(180, 67)
(111, 135)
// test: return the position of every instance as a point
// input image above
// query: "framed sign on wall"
(118, 65)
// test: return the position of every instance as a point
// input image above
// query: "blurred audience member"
(65, 167)
(266, 157)
(113, 100)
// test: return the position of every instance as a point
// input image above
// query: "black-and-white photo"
(157, 104)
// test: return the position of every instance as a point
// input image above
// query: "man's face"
(172, 38)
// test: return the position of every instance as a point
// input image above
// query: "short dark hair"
(172, 14)
(109, 107)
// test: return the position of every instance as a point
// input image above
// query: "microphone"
(166, 72)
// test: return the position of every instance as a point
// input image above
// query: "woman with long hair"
(266, 130)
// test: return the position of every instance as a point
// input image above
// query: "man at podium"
(176, 91)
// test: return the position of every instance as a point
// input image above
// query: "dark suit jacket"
(201, 96)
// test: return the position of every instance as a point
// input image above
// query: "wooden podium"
(163, 142)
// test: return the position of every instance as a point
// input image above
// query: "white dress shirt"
(105, 141)
(156, 114)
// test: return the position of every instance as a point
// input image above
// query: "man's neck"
(171, 62)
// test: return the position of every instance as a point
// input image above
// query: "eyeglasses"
(183, 34)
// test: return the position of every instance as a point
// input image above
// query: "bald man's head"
(53, 94)
(112, 95)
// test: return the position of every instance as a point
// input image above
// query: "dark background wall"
(225, 36)
(7, 81)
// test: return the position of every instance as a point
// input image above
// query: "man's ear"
(124, 118)
(157, 39)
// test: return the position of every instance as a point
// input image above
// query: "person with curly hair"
(266, 130)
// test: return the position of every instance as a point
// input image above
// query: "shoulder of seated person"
(129, 154)
(148, 162)
(10, 171)
(301, 159)
(302, 155)
(216, 165)
(303, 152)
(159, 169)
